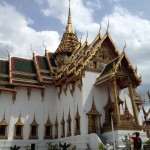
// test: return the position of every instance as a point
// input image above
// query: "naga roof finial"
(124, 47)
(69, 27)
(81, 39)
(99, 29)
(44, 48)
(107, 27)
(86, 36)
(7, 50)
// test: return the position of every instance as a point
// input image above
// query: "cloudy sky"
(30, 22)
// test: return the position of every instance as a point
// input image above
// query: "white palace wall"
(27, 108)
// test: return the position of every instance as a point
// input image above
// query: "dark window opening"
(18, 130)
(33, 130)
(2, 130)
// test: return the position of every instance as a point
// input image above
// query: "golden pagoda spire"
(69, 27)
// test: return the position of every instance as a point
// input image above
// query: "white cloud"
(81, 11)
(125, 26)
(15, 32)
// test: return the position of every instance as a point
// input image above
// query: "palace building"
(74, 95)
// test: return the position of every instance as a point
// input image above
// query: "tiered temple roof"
(101, 56)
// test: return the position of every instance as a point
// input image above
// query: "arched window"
(77, 123)
(48, 134)
(56, 128)
(69, 124)
(18, 133)
(33, 129)
(63, 127)
(3, 129)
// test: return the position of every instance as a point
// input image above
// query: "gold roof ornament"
(19, 122)
(69, 40)
(100, 29)
(4, 122)
(8, 52)
(124, 47)
(69, 27)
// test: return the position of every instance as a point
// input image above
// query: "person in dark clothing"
(136, 140)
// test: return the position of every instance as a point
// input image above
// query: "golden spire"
(69, 27)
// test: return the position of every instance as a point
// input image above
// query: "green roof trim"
(43, 63)
(45, 74)
(109, 66)
(4, 67)
(27, 83)
(24, 65)
(24, 76)
(4, 78)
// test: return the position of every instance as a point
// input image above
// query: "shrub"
(101, 146)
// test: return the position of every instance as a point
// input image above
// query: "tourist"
(136, 140)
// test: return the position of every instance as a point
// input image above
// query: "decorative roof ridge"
(37, 68)
(22, 58)
(108, 35)
(69, 38)
(123, 55)
(69, 59)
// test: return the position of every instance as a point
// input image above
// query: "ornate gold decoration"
(28, 92)
(116, 106)
(65, 86)
(59, 90)
(3, 126)
(72, 88)
(127, 115)
(56, 128)
(34, 129)
(68, 43)
(14, 96)
(109, 107)
(69, 124)
(48, 128)
(77, 122)
(37, 68)
(18, 133)
(42, 94)
(92, 115)
(80, 84)
(133, 103)
(63, 126)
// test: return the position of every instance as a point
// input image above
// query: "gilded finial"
(4, 115)
(32, 50)
(124, 47)
(69, 27)
(107, 27)
(136, 69)
(7, 50)
(99, 28)
(81, 38)
(20, 114)
(44, 47)
(86, 36)
(69, 9)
